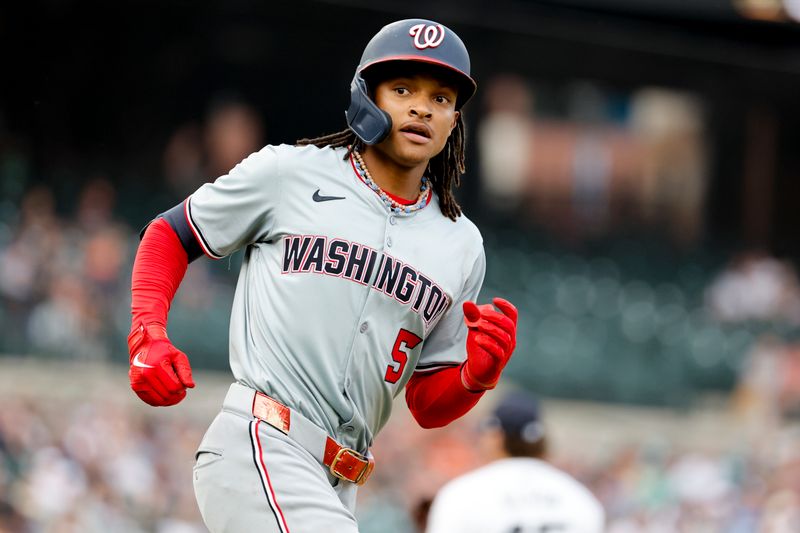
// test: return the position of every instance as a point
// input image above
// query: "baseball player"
(358, 282)
(518, 492)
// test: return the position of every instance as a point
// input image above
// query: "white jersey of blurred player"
(515, 495)
(519, 492)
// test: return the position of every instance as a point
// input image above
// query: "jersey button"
(364, 327)
(389, 242)
(392, 220)
(349, 428)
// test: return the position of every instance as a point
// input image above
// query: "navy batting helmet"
(518, 414)
(405, 40)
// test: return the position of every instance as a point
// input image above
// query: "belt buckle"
(362, 476)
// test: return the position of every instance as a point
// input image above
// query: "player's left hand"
(491, 340)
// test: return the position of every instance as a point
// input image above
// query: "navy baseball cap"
(517, 414)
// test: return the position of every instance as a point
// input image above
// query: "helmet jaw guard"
(405, 40)
(368, 121)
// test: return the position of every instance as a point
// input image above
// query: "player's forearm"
(437, 398)
(158, 270)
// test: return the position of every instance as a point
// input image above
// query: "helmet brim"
(466, 85)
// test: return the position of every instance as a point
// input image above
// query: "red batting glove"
(159, 373)
(491, 340)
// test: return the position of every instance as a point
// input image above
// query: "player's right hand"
(159, 372)
(491, 339)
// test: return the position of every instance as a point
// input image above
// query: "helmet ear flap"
(368, 121)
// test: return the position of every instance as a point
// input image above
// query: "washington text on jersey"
(356, 262)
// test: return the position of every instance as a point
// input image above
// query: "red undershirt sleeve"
(437, 398)
(158, 270)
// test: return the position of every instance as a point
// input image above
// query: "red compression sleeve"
(437, 398)
(159, 267)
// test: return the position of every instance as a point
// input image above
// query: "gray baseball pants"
(249, 477)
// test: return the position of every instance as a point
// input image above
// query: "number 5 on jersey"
(399, 356)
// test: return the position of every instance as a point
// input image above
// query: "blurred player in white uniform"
(518, 492)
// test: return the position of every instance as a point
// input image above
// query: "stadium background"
(633, 168)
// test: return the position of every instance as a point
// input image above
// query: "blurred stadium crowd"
(624, 318)
(98, 466)
(94, 466)
(65, 259)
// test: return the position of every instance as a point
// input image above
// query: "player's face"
(423, 111)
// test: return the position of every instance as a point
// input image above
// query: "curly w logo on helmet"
(427, 36)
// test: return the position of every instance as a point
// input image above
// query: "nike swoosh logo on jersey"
(319, 198)
(138, 362)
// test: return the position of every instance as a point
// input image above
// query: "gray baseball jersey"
(338, 301)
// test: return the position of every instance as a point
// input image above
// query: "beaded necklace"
(391, 204)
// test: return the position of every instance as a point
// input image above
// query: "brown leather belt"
(344, 463)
